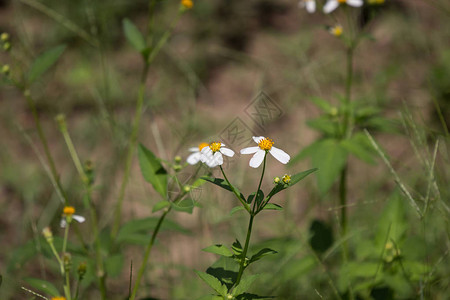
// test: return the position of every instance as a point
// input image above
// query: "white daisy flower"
(309, 5)
(264, 145)
(195, 157)
(212, 155)
(69, 215)
(333, 4)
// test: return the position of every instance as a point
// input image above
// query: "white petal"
(206, 151)
(257, 139)
(250, 150)
(330, 6)
(310, 6)
(194, 158)
(63, 222)
(355, 3)
(218, 158)
(227, 152)
(280, 155)
(79, 219)
(257, 159)
(214, 160)
(193, 149)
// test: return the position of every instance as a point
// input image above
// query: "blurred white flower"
(333, 4)
(196, 156)
(309, 5)
(212, 155)
(264, 145)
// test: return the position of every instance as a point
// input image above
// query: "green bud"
(81, 269)
(186, 189)
(276, 180)
(6, 70)
(67, 260)
(7, 46)
(61, 120)
(177, 159)
(333, 111)
(48, 235)
(177, 168)
(4, 36)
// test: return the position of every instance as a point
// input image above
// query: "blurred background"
(204, 83)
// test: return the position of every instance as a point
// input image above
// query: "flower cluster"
(212, 154)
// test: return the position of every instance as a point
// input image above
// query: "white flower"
(309, 5)
(264, 145)
(333, 4)
(212, 155)
(68, 216)
(195, 157)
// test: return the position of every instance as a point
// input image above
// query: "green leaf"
(273, 206)
(244, 285)
(321, 103)
(305, 152)
(187, 205)
(213, 282)
(133, 35)
(294, 179)
(236, 209)
(359, 146)
(114, 265)
(330, 158)
(259, 197)
(261, 253)
(160, 205)
(219, 249)
(223, 184)
(237, 248)
(43, 286)
(152, 170)
(324, 125)
(44, 61)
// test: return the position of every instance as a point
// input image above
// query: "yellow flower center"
(265, 144)
(58, 298)
(202, 145)
(342, 1)
(215, 146)
(68, 210)
(336, 30)
(187, 4)
(286, 178)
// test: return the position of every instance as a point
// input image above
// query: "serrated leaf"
(261, 253)
(43, 62)
(236, 209)
(219, 249)
(244, 285)
(330, 158)
(213, 282)
(160, 205)
(133, 35)
(152, 170)
(43, 286)
(273, 206)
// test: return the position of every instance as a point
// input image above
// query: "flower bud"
(81, 269)
(177, 159)
(6, 70)
(7, 46)
(67, 260)
(48, 235)
(187, 4)
(286, 178)
(276, 180)
(61, 120)
(186, 189)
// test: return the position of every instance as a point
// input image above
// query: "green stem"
(61, 265)
(244, 253)
(147, 254)
(66, 236)
(44, 142)
(67, 286)
(131, 149)
(235, 192)
(348, 115)
(343, 200)
(259, 186)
